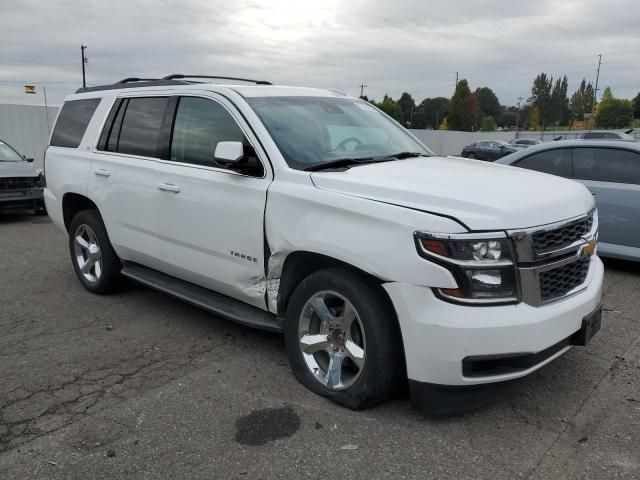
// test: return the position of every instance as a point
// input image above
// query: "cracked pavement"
(139, 385)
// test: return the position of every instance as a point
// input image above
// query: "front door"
(211, 218)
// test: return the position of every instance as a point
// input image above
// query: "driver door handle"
(102, 172)
(169, 187)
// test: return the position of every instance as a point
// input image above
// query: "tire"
(102, 270)
(368, 376)
(471, 155)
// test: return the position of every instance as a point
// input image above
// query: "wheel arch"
(300, 264)
(72, 203)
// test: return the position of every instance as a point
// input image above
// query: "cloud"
(404, 45)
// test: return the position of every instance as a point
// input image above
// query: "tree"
(464, 108)
(488, 103)
(488, 124)
(582, 100)
(391, 108)
(636, 106)
(541, 98)
(607, 95)
(614, 112)
(559, 102)
(407, 105)
(534, 118)
(431, 112)
(510, 117)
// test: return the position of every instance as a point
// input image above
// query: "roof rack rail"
(175, 79)
(178, 76)
(135, 79)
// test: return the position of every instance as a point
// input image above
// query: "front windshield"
(626, 136)
(316, 130)
(8, 154)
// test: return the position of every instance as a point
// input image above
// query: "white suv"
(312, 213)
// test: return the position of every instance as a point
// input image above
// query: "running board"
(213, 302)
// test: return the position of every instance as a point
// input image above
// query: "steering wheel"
(343, 144)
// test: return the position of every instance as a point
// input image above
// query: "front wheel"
(342, 339)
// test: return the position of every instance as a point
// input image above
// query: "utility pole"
(595, 92)
(362, 87)
(518, 118)
(84, 60)
(456, 79)
(46, 109)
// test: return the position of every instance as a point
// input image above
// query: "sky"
(391, 46)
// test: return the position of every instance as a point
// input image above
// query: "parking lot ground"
(139, 385)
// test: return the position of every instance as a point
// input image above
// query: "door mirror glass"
(229, 153)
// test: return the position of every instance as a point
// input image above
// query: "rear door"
(211, 218)
(613, 175)
(123, 177)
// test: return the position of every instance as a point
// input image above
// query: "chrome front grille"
(558, 282)
(549, 240)
(553, 261)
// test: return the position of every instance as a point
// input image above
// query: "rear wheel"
(342, 339)
(471, 155)
(94, 260)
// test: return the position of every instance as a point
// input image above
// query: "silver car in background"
(610, 169)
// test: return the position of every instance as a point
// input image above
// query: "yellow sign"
(30, 89)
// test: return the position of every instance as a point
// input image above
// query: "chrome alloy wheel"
(331, 339)
(87, 253)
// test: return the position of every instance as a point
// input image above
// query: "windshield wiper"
(341, 162)
(403, 155)
(350, 162)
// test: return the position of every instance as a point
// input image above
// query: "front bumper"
(438, 336)
(21, 199)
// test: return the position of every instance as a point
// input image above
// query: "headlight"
(481, 263)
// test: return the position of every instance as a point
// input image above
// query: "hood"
(483, 196)
(18, 169)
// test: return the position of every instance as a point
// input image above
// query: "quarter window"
(72, 122)
(555, 162)
(607, 165)
(200, 124)
(141, 124)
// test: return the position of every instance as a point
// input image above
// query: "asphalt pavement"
(140, 385)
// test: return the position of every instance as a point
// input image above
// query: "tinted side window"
(141, 124)
(555, 162)
(200, 124)
(72, 122)
(607, 165)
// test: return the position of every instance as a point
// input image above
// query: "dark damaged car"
(21, 183)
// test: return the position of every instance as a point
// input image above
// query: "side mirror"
(229, 153)
(28, 159)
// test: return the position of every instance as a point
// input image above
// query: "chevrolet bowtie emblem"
(587, 249)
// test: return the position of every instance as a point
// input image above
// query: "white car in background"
(312, 213)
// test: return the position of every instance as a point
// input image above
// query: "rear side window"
(140, 128)
(555, 162)
(72, 122)
(607, 165)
